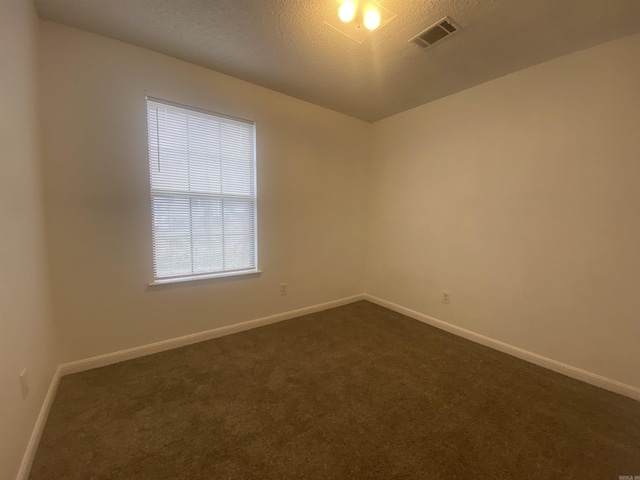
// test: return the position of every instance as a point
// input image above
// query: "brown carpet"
(357, 392)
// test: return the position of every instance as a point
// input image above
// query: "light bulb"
(347, 11)
(371, 19)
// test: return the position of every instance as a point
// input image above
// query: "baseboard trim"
(149, 349)
(559, 367)
(36, 434)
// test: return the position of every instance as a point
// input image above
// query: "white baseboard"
(36, 434)
(568, 370)
(143, 350)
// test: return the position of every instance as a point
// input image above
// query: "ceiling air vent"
(435, 33)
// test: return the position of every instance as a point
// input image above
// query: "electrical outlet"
(24, 384)
(446, 297)
(283, 289)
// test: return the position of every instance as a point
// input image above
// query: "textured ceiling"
(285, 46)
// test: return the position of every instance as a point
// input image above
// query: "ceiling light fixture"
(358, 19)
(347, 11)
(371, 19)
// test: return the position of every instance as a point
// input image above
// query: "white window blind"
(203, 198)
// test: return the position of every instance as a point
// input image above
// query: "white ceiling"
(285, 46)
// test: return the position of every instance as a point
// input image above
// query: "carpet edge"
(177, 342)
(545, 362)
(38, 428)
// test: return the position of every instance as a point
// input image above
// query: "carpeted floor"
(357, 392)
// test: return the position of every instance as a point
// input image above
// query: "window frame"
(164, 280)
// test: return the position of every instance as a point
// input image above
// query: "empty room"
(319, 239)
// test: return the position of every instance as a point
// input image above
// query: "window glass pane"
(238, 251)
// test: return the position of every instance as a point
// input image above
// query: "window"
(203, 196)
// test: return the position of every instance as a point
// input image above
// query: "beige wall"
(26, 336)
(311, 164)
(521, 197)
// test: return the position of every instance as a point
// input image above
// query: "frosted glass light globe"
(347, 11)
(371, 19)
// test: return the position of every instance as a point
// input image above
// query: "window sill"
(196, 278)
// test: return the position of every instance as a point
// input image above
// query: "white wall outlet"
(24, 384)
(446, 297)
(283, 289)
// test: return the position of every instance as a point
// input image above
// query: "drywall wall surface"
(520, 197)
(26, 332)
(310, 175)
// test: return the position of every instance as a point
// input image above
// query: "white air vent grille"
(436, 32)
